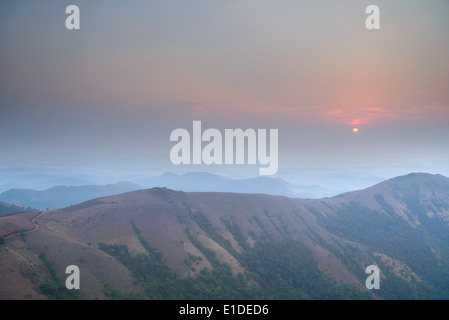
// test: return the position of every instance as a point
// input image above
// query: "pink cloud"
(365, 116)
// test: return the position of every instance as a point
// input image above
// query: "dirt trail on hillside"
(35, 227)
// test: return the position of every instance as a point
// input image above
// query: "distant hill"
(263, 185)
(191, 181)
(41, 178)
(207, 182)
(63, 196)
(165, 244)
(6, 208)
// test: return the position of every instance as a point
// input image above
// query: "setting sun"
(355, 130)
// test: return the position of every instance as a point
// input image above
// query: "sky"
(107, 96)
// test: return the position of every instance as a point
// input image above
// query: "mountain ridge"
(58, 197)
(63, 196)
(9, 208)
(241, 239)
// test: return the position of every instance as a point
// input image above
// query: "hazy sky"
(111, 92)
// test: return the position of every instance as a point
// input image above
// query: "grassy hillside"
(164, 244)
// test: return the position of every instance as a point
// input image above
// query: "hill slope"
(7, 208)
(228, 245)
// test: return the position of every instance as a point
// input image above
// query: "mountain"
(7, 208)
(42, 178)
(417, 198)
(164, 244)
(63, 196)
(258, 185)
(207, 182)
(191, 181)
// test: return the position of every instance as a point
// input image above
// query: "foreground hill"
(164, 244)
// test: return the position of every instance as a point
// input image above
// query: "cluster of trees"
(204, 223)
(391, 235)
(288, 270)
(53, 287)
(275, 270)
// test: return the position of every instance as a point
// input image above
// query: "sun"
(355, 130)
